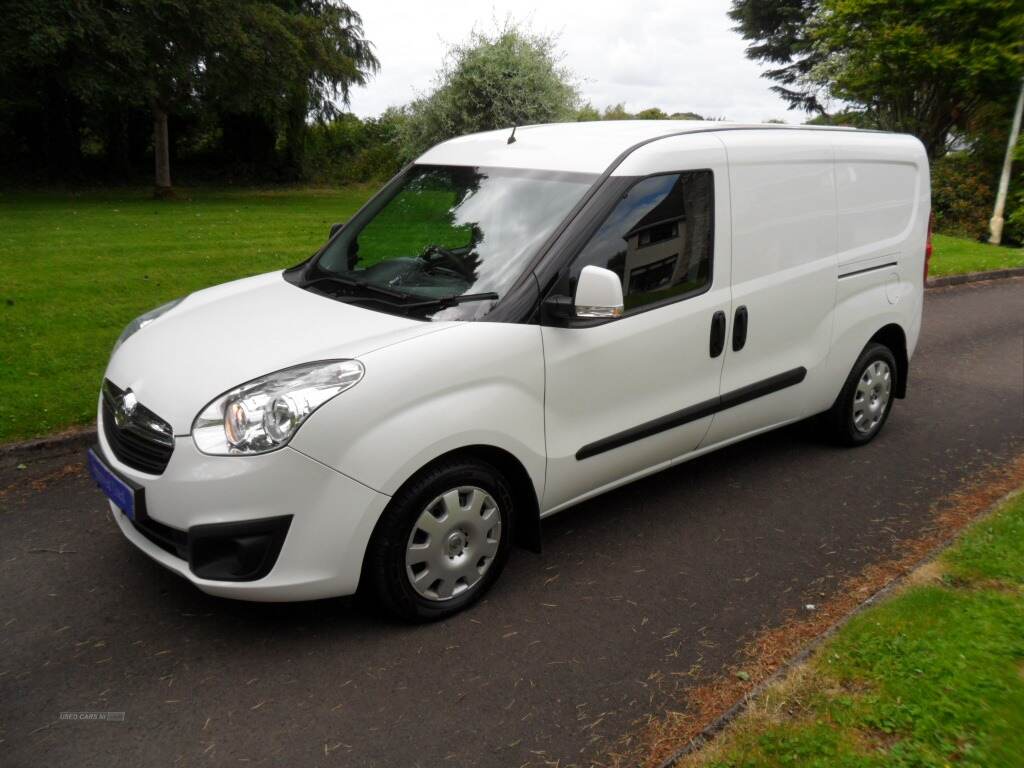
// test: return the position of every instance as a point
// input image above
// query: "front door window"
(658, 239)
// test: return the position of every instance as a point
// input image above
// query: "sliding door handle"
(717, 334)
(739, 329)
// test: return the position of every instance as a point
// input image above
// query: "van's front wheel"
(865, 402)
(442, 541)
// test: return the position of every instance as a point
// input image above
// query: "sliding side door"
(783, 194)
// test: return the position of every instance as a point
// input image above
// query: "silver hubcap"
(872, 396)
(453, 543)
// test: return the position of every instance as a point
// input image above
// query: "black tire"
(839, 421)
(385, 579)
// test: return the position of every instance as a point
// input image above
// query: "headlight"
(263, 414)
(142, 321)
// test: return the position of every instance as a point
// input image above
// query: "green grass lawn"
(75, 268)
(932, 677)
(957, 255)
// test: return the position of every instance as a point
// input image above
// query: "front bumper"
(332, 517)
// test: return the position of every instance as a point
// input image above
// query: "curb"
(65, 442)
(82, 438)
(974, 277)
(719, 724)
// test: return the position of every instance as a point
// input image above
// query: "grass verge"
(76, 268)
(933, 676)
(958, 256)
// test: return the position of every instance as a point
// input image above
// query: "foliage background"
(946, 71)
(255, 90)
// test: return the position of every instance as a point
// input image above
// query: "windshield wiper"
(353, 283)
(442, 302)
(450, 301)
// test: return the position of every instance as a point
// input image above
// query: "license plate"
(115, 489)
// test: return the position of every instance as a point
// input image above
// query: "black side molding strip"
(669, 421)
(693, 413)
(867, 269)
(761, 388)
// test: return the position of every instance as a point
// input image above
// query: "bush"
(511, 78)
(962, 195)
(348, 149)
(588, 112)
(616, 112)
(1013, 233)
(1013, 229)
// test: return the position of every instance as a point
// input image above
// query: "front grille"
(142, 440)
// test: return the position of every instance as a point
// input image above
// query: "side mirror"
(598, 293)
(335, 228)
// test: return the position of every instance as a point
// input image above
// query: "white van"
(513, 324)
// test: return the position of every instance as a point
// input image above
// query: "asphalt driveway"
(635, 593)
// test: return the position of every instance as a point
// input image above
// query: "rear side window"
(658, 239)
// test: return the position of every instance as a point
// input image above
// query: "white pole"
(995, 226)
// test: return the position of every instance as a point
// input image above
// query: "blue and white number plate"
(116, 489)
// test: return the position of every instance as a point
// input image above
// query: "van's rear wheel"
(863, 406)
(442, 541)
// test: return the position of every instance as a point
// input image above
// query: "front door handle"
(739, 329)
(717, 334)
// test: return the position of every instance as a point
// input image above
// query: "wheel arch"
(893, 337)
(527, 505)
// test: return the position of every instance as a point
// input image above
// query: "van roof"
(588, 147)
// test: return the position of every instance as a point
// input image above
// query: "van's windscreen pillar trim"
(694, 412)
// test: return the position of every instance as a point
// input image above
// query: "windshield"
(450, 231)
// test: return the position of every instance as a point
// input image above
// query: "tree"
(925, 68)
(778, 31)
(616, 112)
(94, 67)
(651, 113)
(271, 62)
(51, 81)
(510, 78)
(283, 62)
(921, 68)
(162, 58)
(588, 112)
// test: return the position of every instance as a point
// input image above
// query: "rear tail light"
(928, 247)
